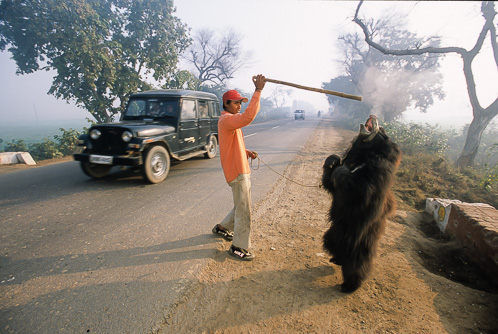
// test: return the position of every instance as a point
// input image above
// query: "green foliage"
(47, 149)
(62, 145)
(490, 180)
(66, 142)
(17, 145)
(416, 137)
(101, 50)
(410, 137)
(183, 80)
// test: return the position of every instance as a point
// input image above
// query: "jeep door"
(204, 122)
(188, 125)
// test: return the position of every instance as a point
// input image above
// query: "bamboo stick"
(319, 90)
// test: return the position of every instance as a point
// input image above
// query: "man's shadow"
(19, 271)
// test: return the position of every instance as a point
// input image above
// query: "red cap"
(233, 95)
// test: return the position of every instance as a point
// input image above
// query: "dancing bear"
(360, 185)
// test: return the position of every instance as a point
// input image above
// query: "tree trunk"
(482, 117)
(473, 140)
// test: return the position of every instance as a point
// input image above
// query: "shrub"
(47, 149)
(67, 141)
(17, 145)
(414, 138)
(490, 179)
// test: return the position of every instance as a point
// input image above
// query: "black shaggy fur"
(360, 185)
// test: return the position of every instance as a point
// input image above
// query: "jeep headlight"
(126, 136)
(95, 134)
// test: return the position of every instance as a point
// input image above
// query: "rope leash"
(259, 160)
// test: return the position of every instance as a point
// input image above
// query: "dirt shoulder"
(291, 287)
(10, 168)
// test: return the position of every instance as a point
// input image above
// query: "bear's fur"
(360, 185)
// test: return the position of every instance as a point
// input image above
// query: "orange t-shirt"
(233, 152)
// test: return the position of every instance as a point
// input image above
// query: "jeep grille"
(110, 142)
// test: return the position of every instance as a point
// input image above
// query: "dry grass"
(423, 175)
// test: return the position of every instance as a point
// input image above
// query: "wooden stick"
(326, 91)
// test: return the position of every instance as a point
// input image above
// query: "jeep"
(299, 114)
(156, 126)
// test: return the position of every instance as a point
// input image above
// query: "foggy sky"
(293, 41)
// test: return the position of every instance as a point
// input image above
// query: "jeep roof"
(174, 93)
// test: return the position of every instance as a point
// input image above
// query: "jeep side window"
(203, 109)
(188, 110)
(214, 110)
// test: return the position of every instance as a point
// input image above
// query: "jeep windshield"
(165, 109)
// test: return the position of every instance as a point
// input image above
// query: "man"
(234, 156)
(155, 110)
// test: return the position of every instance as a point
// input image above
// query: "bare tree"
(279, 96)
(216, 59)
(482, 116)
(389, 84)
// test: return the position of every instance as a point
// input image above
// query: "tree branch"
(407, 52)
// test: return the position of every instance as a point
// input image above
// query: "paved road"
(113, 255)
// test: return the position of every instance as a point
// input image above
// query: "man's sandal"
(240, 253)
(218, 230)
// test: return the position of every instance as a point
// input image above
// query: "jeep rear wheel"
(156, 164)
(95, 170)
(211, 148)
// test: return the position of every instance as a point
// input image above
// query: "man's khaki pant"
(238, 219)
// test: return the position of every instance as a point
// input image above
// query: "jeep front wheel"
(211, 148)
(95, 170)
(156, 164)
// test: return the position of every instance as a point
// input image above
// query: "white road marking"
(252, 134)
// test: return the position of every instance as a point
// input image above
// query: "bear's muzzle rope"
(302, 185)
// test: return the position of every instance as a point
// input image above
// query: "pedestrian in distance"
(236, 226)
